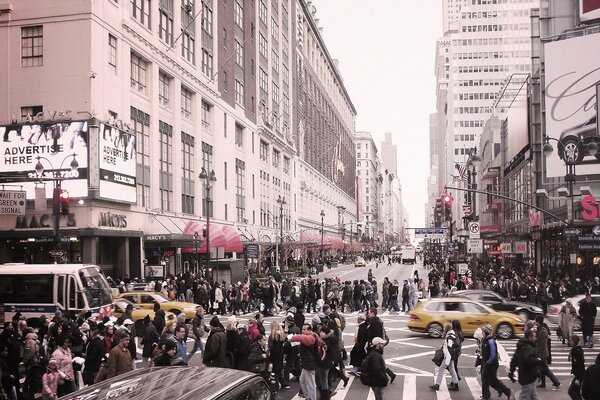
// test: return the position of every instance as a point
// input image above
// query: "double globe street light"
(209, 180)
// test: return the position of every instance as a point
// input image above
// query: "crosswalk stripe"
(443, 393)
(343, 391)
(409, 390)
(473, 385)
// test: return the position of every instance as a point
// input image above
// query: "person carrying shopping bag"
(448, 347)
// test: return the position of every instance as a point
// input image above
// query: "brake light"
(414, 317)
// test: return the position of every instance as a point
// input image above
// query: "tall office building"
(389, 155)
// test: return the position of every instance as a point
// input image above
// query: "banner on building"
(589, 10)
(117, 164)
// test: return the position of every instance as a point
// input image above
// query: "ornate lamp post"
(209, 180)
(281, 202)
(60, 204)
(322, 220)
(571, 153)
(474, 162)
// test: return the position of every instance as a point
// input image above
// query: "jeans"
(528, 392)
(440, 375)
(198, 344)
(545, 371)
(308, 385)
(393, 305)
(321, 376)
(378, 391)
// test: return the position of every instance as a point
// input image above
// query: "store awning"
(329, 242)
(219, 235)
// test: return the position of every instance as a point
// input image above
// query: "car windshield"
(159, 298)
(95, 287)
(123, 303)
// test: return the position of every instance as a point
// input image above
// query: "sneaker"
(434, 387)
(556, 387)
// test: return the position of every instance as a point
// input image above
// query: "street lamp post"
(474, 161)
(281, 202)
(322, 226)
(57, 194)
(571, 154)
(209, 180)
(196, 238)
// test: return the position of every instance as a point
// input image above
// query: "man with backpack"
(542, 352)
(373, 369)
(489, 365)
(527, 362)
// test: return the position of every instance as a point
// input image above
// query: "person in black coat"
(243, 349)
(94, 353)
(374, 327)
(358, 353)
(577, 368)
(527, 362)
(374, 369)
(587, 312)
(590, 387)
(150, 337)
(259, 359)
(159, 318)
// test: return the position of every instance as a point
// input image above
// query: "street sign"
(474, 230)
(596, 230)
(474, 246)
(12, 202)
(572, 231)
(506, 247)
(451, 247)
(521, 247)
(462, 268)
(252, 250)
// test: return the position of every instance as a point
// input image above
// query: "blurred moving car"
(431, 315)
(146, 300)
(138, 314)
(360, 262)
(178, 383)
(525, 311)
(554, 310)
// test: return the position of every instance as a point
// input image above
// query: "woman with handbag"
(258, 358)
(64, 361)
(449, 341)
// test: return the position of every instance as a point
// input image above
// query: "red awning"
(329, 242)
(219, 235)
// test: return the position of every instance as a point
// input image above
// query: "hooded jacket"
(216, 349)
(525, 359)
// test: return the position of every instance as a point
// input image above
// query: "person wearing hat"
(126, 315)
(168, 356)
(94, 352)
(527, 362)
(489, 365)
(119, 358)
(215, 350)
(373, 369)
(129, 327)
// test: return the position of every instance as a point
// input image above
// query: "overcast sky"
(386, 51)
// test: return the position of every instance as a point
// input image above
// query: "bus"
(36, 289)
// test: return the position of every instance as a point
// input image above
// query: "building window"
(285, 74)
(207, 152)
(32, 46)
(186, 103)
(140, 127)
(274, 30)
(239, 93)
(225, 176)
(286, 165)
(206, 110)
(112, 52)
(207, 64)
(275, 158)
(164, 83)
(207, 19)
(264, 151)
(165, 23)
(238, 14)
(275, 98)
(31, 111)
(275, 61)
(138, 73)
(262, 46)
(239, 54)
(262, 12)
(286, 105)
(263, 81)
(188, 177)
(240, 196)
(239, 135)
(166, 166)
(140, 10)
(187, 47)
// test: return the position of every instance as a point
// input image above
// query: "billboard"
(589, 10)
(55, 145)
(517, 123)
(117, 164)
(572, 71)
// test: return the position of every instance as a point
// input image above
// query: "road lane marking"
(504, 357)
(343, 391)
(415, 370)
(409, 390)
(474, 387)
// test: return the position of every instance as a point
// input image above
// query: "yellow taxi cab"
(430, 316)
(138, 314)
(146, 300)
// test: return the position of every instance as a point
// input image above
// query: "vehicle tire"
(504, 331)
(175, 311)
(570, 151)
(435, 330)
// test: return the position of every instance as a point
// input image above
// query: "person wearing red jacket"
(309, 359)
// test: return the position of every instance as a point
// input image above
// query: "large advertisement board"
(518, 125)
(117, 164)
(572, 72)
(589, 10)
(54, 145)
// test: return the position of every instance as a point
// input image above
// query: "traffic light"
(447, 200)
(56, 201)
(64, 202)
(204, 231)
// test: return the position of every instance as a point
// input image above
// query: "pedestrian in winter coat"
(308, 361)
(64, 362)
(542, 351)
(587, 312)
(50, 381)
(259, 359)
(277, 340)
(94, 353)
(243, 349)
(358, 353)
(526, 361)
(215, 350)
(590, 386)
(489, 365)
(119, 358)
(449, 340)
(577, 368)
(566, 319)
(375, 369)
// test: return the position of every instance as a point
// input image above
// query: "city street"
(409, 354)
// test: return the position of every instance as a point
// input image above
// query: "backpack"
(455, 349)
(364, 372)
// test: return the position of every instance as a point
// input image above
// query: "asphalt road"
(409, 354)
